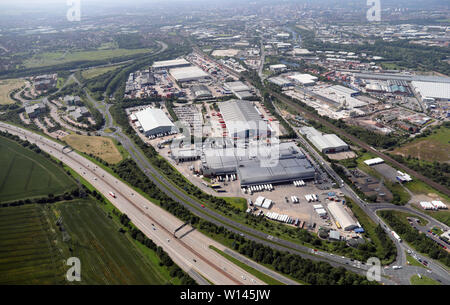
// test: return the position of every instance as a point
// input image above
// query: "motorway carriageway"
(144, 214)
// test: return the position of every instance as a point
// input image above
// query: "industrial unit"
(329, 143)
(304, 79)
(341, 216)
(242, 120)
(288, 165)
(187, 74)
(170, 64)
(154, 121)
(325, 143)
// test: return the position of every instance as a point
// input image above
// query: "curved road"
(191, 252)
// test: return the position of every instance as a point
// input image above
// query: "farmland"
(435, 147)
(91, 73)
(101, 147)
(29, 249)
(34, 248)
(27, 174)
(6, 86)
(55, 58)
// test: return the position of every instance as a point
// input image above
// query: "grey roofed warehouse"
(187, 74)
(287, 163)
(174, 63)
(242, 119)
(154, 121)
(201, 91)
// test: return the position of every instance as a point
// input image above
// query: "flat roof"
(434, 90)
(170, 63)
(327, 141)
(151, 118)
(374, 161)
(188, 73)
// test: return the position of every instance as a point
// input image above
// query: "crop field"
(91, 73)
(107, 256)
(101, 147)
(6, 86)
(28, 247)
(33, 249)
(55, 58)
(435, 147)
(26, 174)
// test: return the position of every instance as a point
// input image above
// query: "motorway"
(194, 206)
(190, 251)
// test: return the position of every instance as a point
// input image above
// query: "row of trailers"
(311, 197)
(286, 219)
(258, 188)
(299, 183)
(231, 177)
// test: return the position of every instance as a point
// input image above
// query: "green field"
(107, 256)
(435, 147)
(236, 202)
(28, 174)
(6, 86)
(29, 254)
(415, 280)
(34, 252)
(55, 58)
(91, 73)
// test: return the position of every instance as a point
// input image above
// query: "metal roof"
(151, 118)
(340, 215)
(434, 90)
(327, 141)
(188, 73)
(170, 63)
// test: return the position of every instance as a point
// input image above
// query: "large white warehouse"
(154, 121)
(341, 216)
(329, 143)
(188, 74)
(168, 64)
(440, 91)
(243, 120)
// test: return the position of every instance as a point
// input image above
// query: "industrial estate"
(252, 144)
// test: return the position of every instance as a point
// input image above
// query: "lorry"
(396, 237)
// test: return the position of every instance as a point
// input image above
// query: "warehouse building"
(432, 90)
(288, 165)
(329, 143)
(344, 90)
(188, 74)
(154, 121)
(170, 64)
(304, 79)
(341, 216)
(326, 143)
(201, 91)
(280, 81)
(374, 161)
(277, 68)
(243, 120)
(239, 89)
